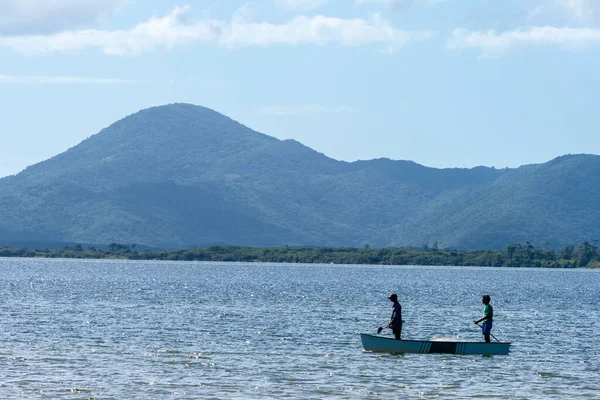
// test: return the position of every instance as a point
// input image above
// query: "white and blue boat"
(379, 344)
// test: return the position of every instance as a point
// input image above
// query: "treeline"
(516, 255)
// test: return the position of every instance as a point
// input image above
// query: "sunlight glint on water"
(76, 329)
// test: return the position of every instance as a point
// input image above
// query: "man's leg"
(487, 327)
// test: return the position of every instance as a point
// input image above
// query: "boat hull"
(380, 344)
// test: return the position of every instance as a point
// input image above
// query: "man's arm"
(394, 316)
(485, 317)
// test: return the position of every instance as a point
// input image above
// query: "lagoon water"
(76, 329)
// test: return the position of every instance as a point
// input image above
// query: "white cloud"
(398, 4)
(580, 9)
(571, 11)
(171, 30)
(319, 30)
(301, 4)
(166, 31)
(18, 17)
(493, 43)
(304, 110)
(50, 80)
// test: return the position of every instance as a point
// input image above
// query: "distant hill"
(182, 175)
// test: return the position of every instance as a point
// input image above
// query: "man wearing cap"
(395, 323)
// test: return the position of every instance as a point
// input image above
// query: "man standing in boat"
(395, 323)
(488, 318)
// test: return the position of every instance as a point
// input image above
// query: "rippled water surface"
(74, 329)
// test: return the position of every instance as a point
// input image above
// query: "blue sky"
(445, 83)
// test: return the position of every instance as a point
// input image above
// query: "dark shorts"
(486, 328)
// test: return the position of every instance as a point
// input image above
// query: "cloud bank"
(582, 10)
(18, 17)
(301, 4)
(172, 30)
(398, 4)
(492, 43)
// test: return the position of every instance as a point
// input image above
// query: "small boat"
(380, 344)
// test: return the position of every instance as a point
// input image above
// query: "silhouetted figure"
(395, 323)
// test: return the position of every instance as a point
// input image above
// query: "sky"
(444, 83)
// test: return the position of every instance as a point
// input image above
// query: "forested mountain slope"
(182, 175)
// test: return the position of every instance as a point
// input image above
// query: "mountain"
(182, 175)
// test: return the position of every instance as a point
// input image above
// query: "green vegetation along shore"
(583, 255)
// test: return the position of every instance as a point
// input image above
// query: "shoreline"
(515, 256)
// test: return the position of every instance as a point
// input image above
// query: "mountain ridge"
(182, 175)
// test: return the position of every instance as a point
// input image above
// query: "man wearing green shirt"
(488, 318)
